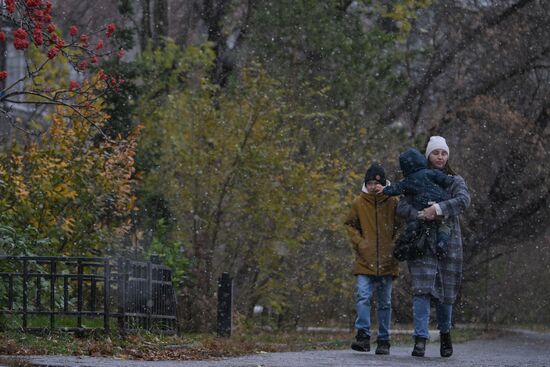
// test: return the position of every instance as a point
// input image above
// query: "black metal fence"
(80, 293)
(148, 297)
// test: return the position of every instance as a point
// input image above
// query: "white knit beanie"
(436, 142)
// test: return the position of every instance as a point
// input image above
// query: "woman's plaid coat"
(429, 275)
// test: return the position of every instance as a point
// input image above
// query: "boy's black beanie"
(376, 173)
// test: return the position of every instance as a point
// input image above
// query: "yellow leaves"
(70, 188)
(68, 225)
(64, 191)
(20, 188)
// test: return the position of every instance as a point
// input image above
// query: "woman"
(437, 279)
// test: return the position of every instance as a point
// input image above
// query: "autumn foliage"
(66, 188)
(68, 194)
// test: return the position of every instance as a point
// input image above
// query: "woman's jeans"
(421, 316)
(365, 287)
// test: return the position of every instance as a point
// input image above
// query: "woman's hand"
(429, 213)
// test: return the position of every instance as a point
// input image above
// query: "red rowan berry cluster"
(32, 21)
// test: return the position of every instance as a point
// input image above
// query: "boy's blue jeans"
(421, 315)
(365, 287)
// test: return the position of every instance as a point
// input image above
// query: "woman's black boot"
(446, 349)
(383, 347)
(419, 346)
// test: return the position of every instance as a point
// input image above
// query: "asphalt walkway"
(520, 348)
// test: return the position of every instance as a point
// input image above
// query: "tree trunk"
(214, 11)
(160, 17)
(145, 34)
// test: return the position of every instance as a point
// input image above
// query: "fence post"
(80, 274)
(121, 279)
(66, 293)
(53, 271)
(93, 290)
(225, 305)
(38, 299)
(25, 293)
(10, 292)
(149, 293)
(106, 294)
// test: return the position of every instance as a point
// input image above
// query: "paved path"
(518, 349)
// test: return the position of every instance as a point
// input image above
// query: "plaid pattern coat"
(430, 276)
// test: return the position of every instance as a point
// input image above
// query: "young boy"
(371, 226)
(424, 187)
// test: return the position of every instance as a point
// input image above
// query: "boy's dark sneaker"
(446, 349)
(383, 347)
(362, 342)
(419, 346)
